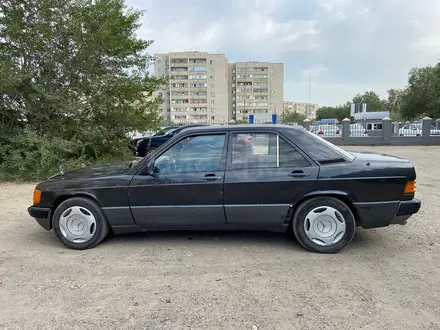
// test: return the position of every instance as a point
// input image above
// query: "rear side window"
(319, 149)
(264, 150)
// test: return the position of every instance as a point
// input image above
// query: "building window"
(212, 110)
(273, 91)
(159, 61)
(212, 117)
(212, 85)
(211, 77)
(211, 69)
(211, 62)
(212, 101)
(212, 94)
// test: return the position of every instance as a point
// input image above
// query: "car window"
(290, 157)
(201, 153)
(319, 149)
(165, 131)
(259, 150)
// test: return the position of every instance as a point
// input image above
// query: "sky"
(345, 46)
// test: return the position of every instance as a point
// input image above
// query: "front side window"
(264, 150)
(201, 153)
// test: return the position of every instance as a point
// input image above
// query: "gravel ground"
(387, 278)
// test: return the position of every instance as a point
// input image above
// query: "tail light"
(247, 141)
(337, 132)
(366, 132)
(410, 187)
(321, 132)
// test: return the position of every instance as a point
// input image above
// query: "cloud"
(347, 45)
(314, 71)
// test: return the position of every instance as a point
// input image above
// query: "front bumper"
(406, 209)
(42, 215)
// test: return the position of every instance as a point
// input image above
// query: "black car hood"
(94, 171)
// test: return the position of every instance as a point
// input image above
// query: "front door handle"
(211, 177)
(299, 174)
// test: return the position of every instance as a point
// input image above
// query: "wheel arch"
(65, 196)
(341, 195)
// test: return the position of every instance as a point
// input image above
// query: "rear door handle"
(211, 177)
(299, 174)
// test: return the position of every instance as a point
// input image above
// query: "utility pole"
(308, 110)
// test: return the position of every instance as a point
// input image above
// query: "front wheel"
(323, 224)
(79, 223)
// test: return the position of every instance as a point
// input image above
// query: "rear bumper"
(406, 210)
(42, 215)
(382, 214)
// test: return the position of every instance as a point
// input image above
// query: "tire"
(79, 223)
(323, 224)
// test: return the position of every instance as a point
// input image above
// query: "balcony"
(199, 109)
(197, 61)
(178, 77)
(177, 70)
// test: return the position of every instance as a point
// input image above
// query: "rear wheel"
(79, 223)
(323, 224)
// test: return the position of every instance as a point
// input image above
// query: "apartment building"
(306, 109)
(197, 89)
(255, 88)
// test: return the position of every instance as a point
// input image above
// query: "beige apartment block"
(306, 109)
(198, 87)
(255, 88)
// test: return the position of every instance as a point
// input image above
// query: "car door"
(186, 187)
(260, 185)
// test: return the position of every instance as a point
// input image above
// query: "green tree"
(394, 100)
(373, 101)
(74, 81)
(422, 95)
(292, 117)
(339, 112)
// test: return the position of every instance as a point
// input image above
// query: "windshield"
(419, 126)
(165, 131)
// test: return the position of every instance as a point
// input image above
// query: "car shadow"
(364, 239)
(214, 238)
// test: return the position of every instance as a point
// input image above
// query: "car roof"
(240, 127)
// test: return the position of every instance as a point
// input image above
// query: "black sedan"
(290, 180)
(145, 145)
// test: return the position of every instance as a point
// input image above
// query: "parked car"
(358, 130)
(326, 130)
(136, 139)
(148, 144)
(294, 181)
(416, 130)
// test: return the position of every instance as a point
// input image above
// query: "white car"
(326, 130)
(358, 130)
(416, 130)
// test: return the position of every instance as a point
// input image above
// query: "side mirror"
(150, 169)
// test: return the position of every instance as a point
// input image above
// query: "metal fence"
(380, 132)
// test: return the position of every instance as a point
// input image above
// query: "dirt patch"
(386, 279)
